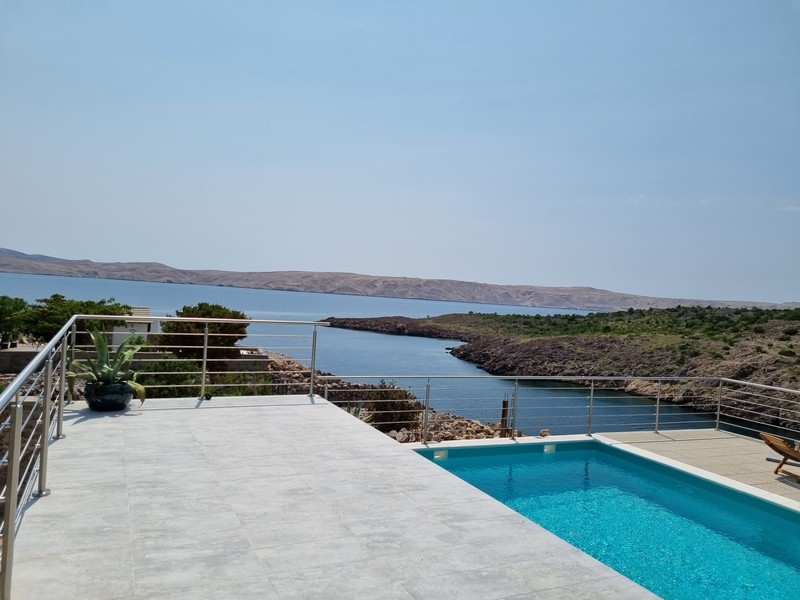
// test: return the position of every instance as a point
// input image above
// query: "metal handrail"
(740, 414)
(8, 394)
(738, 405)
(28, 439)
(32, 418)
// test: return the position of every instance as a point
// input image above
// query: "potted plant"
(110, 381)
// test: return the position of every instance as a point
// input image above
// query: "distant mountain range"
(580, 298)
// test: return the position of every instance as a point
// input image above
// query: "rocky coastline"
(754, 356)
(292, 377)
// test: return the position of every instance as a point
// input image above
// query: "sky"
(642, 146)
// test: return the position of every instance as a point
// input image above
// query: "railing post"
(427, 409)
(12, 492)
(504, 417)
(513, 416)
(73, 336)
(205, 362)
(45, 425)
(591, 410)
(62, 384)
(719, 404)
(658, 406)
(325, 391)
(313, 361)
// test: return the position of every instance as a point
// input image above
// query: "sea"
(339, 351)
(350, 355)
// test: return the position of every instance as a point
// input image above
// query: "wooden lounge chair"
(783, 448)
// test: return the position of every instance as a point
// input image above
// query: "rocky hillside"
(753, 345)
(580, 298)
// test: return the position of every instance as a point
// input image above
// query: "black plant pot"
(106, 398)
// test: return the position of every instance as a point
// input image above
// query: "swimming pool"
(678, 535)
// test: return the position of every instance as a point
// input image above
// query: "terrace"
(287, 495)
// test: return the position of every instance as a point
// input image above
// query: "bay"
(406, 361)
(339, 351)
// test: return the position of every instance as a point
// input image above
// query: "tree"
(185, 339)
(169, 377)
(46, 318)
(12, 318)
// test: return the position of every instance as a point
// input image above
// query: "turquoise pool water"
(678, 535)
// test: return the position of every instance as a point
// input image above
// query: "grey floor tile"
(271, 533)
(481, 584)
(362, 579)
(102, 573)
(614, 588)
(259, 588)
(214, 571)
(289, 558)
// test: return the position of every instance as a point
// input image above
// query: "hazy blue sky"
(642, 146)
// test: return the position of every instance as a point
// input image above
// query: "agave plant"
(107, 368)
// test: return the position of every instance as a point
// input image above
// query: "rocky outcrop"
(444, 426)
(754, 357)
(400, 326)
(602, 356)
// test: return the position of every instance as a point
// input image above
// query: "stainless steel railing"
(32, 405)
(31, 410)
(219, 363)
(415, 408)
(419, 408)
(752, 407)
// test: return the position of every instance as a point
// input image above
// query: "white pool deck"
(289, 497)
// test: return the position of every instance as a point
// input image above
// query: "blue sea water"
(338, 351)
(678, 535)
(349, 354)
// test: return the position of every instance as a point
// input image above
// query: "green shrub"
(180, 378)
(241, 384)
(186, 338)
(392, 408)
(787, 352)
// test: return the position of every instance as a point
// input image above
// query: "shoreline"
(442, 426)
(581, 298)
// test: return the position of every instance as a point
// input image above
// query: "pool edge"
(722, 480)
(705, 474)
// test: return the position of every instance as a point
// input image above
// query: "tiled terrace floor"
(275, 498)
(736, 457)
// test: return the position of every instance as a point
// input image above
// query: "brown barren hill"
(579, 298)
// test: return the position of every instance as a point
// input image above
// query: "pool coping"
(722, 480)
(705, 474)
